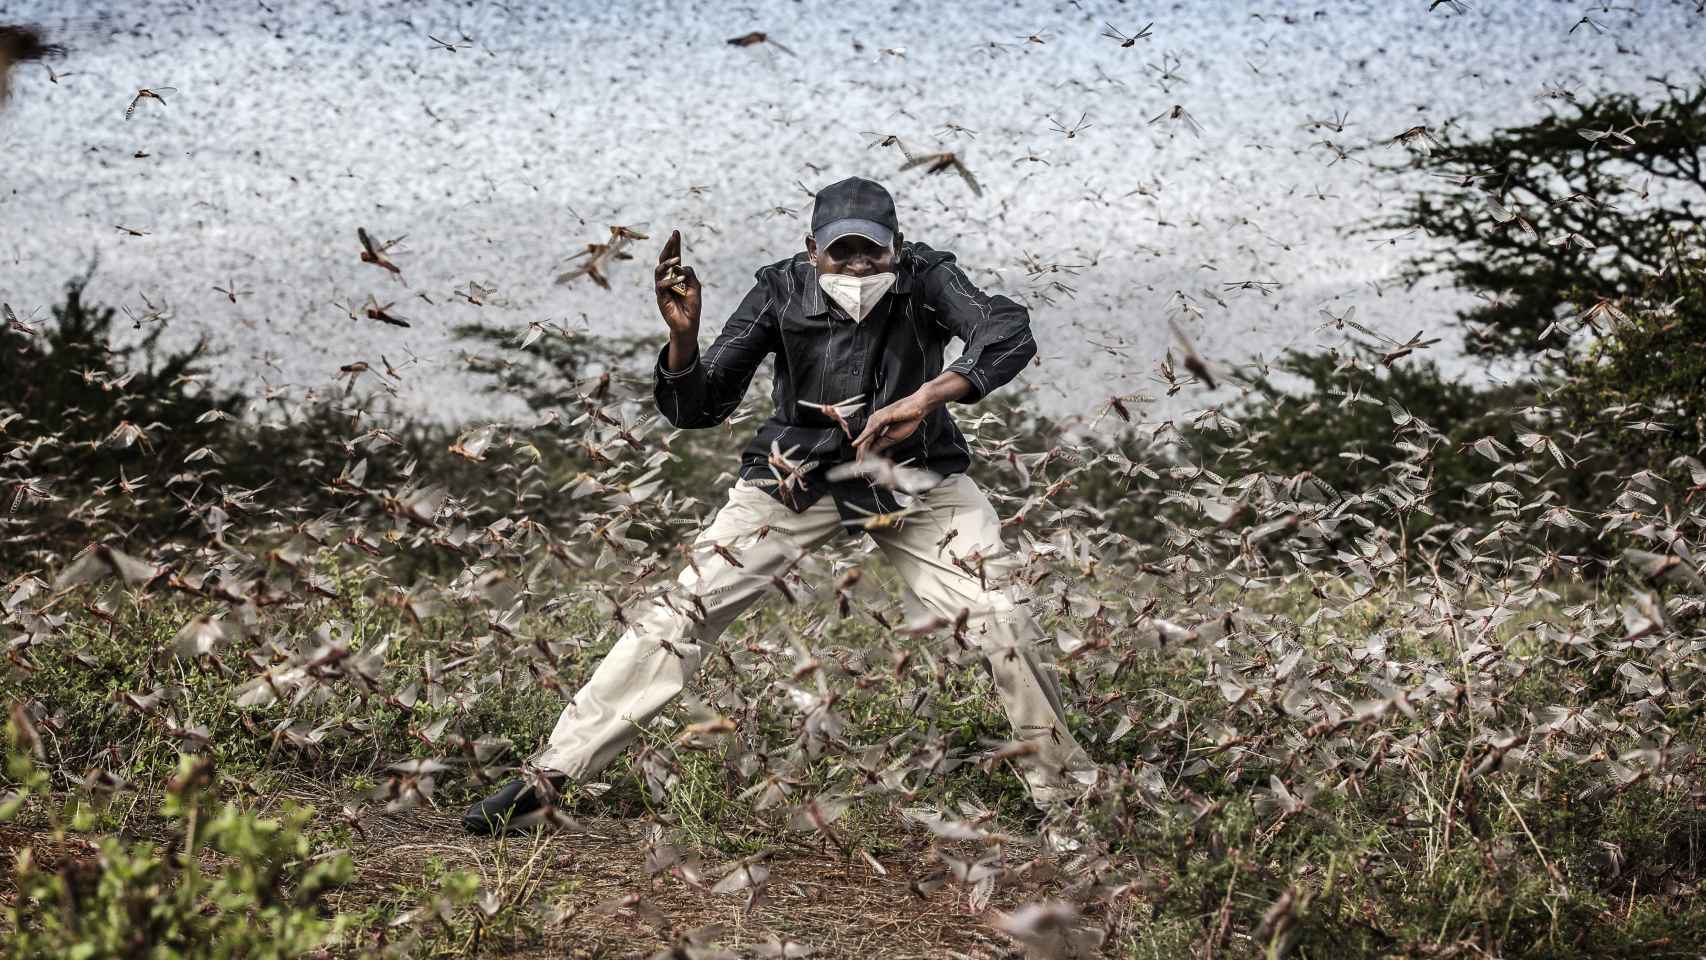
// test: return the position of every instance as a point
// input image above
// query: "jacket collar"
(816, 303)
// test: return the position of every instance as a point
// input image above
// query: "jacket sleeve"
(712, 386)
(996, 330)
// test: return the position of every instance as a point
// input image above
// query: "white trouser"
(661, 650)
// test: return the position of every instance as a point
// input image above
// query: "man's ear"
(899, 238)
(811, 246)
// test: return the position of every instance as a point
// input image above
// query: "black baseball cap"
(854, 207)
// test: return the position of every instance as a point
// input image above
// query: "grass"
(1537, 859)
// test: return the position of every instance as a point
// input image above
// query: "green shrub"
(225, 883)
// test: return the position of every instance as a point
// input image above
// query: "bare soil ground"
(816, 898)
(550, 887)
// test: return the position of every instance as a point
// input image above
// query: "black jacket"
(823, 356)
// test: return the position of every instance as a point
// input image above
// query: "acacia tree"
(1545, 220)
(1641, 381)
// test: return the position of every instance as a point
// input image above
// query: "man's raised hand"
(677, 289)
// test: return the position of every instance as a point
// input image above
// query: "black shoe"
(515, 806)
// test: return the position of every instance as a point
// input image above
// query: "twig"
(1551, 870)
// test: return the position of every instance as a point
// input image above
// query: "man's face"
(853, 256)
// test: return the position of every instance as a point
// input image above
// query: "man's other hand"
(894, 423)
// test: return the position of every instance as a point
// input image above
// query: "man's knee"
(995, 605)
(673, 624)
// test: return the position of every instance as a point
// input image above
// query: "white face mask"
(857, 295)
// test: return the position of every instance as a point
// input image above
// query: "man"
(857, 322)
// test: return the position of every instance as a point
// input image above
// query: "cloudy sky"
(293, 123)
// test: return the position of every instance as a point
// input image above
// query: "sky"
(499, 139)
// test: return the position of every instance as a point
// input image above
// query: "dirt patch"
(558, 882)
